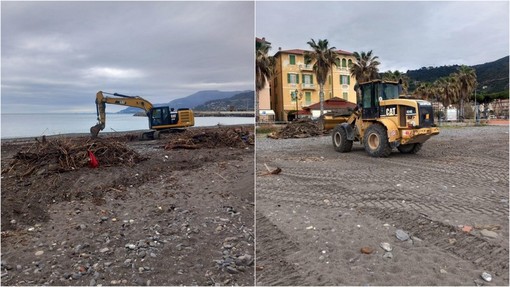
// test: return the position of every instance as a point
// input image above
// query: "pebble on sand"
(367, 250)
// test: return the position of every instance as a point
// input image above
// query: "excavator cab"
(159, 116)
(164, 118)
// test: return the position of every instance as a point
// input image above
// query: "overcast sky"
(57, 55)
(405, 35)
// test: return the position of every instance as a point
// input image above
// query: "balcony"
(303, 67)
(305, 86)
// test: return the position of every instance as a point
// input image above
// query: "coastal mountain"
(240, 102)
(191, 101)
(493, 75)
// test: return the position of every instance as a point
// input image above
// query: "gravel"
(268, 145)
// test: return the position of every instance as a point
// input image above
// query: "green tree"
(426, 91)
(397, 76)
(448, 90)
(365, 69)
(467, 83)
(324, 58)
(264, 65)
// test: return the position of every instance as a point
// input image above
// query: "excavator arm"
(116, 99)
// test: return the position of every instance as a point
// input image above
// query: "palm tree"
(365, 69)
(467, 84)
(425, 91)
(263, 69)
(324, 58)
(396, 76)
(448, 90)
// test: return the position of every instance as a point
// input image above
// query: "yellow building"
(293, 75)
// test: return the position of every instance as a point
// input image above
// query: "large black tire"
(340, 141)
(376, 142)
(410, 148)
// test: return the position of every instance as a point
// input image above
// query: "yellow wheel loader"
(160, 118)
(383, 121)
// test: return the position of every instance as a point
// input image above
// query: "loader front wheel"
(340, 141)
(376, 141)
(409, 148)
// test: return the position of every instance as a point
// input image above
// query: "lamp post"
(296, 99)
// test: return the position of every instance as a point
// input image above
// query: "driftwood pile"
(302, 128)
(62, 155)
(212, 138)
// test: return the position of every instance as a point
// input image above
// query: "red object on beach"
(93, 163)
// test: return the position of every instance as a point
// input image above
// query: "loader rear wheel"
(376, 141)
(340, 141)
(410, 148)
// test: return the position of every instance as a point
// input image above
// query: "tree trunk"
(462, 115)
(257, 107)
(321, 99)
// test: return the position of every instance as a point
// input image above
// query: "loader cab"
(373, 92)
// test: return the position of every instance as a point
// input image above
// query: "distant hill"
(494, 75)
(240, 102)
(191, 101)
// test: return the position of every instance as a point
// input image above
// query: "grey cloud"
(405, 35)
(64, 52)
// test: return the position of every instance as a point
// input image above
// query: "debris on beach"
(213, 138)
(302, 128)
(65, 154)
(274, 171)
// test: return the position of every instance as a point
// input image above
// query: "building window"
(292, 78)
(344, 63)
(292, 59)
(345, 95)
(337, 62)
(307, 80)
(308, 98)
(349, 63)
(345, 80)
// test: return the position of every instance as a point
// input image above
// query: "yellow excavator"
(160, 118)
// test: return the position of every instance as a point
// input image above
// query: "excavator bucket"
(94, 131)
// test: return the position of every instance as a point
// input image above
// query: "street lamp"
(296, 98)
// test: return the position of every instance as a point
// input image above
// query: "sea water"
(35, 125)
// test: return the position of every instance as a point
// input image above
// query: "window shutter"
(288, 78)
(311, 79)
(297, 79)
(348, 80)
